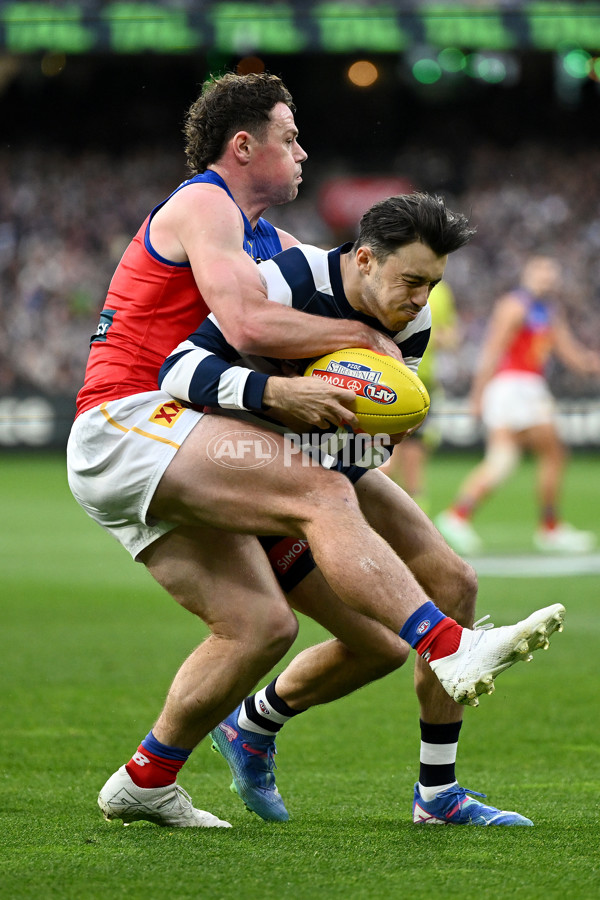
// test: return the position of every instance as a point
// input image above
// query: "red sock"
(442, 640)
(150, 771)
(463, 510)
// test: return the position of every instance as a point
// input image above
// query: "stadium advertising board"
(293, 27)
(30, 420)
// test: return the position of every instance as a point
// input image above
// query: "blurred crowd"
(66, 219)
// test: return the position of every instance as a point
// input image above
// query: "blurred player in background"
(511, 394)
(407, 465)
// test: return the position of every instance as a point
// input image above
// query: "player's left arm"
(202, 370)
(572, 352)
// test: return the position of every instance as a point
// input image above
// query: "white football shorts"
(117, 454)
(517, 400)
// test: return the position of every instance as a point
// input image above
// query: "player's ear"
(241, 146)
(364, 260)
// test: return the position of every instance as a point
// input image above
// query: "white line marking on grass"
(536, 566)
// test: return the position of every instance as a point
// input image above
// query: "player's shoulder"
(513, 305)
(202, 212)
(302, 259)
(201, 195)
(287, 240)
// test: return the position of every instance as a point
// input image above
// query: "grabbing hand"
(301, 402)
(381, 343)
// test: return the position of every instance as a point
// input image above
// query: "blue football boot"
(250, 758)
(454, 807)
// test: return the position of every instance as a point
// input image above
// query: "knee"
(283, 630)
(460, 593)
(331, 490)
(272, 635)
(500, 461)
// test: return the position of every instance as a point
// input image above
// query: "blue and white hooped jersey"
(205, 370)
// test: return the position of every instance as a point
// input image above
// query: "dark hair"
(406, 218)
(228, 104)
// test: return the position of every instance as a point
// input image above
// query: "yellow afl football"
(389, 397)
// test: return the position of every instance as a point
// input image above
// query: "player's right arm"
(572, 353)
(209, 230)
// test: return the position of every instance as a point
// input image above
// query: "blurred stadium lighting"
(295, 26)
(489, 67)
(494, 68)
(52, 64)
(250, 65)
(452, 60)
(577, 63)
(363, 73)
(427, 70)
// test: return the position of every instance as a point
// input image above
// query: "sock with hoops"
(439, 745)
(265, 712)
(155, 764)
(431, 633)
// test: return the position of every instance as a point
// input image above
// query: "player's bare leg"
(287, 498)
(226, 581)
(502, 455)
(363, 651)
(551, 455)
(207, 572)
(361, 567)
(553, 534)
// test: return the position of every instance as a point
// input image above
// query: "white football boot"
(484, 652)
(459, 533)
(564, 539)
(170, 806)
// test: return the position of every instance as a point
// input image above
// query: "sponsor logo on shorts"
(423, 626)
(243, 449)
(286, 552)
(167, 414)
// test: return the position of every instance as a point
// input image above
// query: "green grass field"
(88, 646)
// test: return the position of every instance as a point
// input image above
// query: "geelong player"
(385, 278)
(139, 464)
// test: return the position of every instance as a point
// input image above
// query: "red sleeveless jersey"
(532, 345)
(152, 305)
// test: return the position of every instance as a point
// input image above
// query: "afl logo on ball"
(379, 393)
